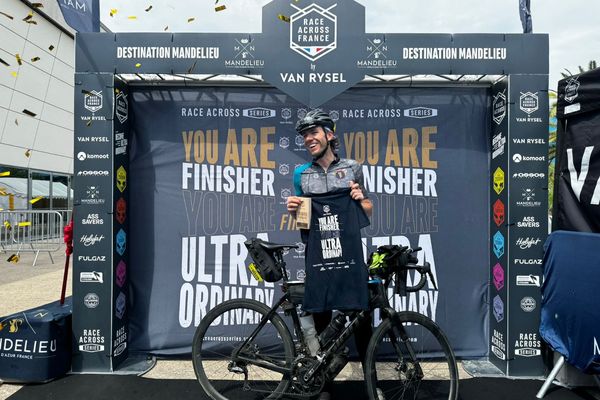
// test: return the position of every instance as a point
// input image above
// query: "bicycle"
(408, 355)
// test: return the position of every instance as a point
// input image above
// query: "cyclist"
(327, 172)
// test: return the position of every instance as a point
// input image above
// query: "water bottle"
(307, 324)
(333, 329)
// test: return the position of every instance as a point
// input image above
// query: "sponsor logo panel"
(528, 261)
(498, 346)
(91, 300)
(244, 57)
(498, 180)
(91, 341)
(120, 143)
(498, 244)
(91, 277)
(121, 242)
(528, 199)
(528, 304)
(82, 156)
(259, 113)
(498, 211)
(121, 178)
(93, 196)
(313, 31)
(420, 112)
(527, 242)
(528, 280)
(121, 273)
(121, 210)
(498, 142)
(92, 219)
(120, 305)
(572, 90)
(498, 309)
(119, 342)
(499, 107)
(528, 345)
(121, 107)
(377, 55)
(498, 273)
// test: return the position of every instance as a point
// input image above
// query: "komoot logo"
(313, 31)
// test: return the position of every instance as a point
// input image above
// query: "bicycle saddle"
(274, 246)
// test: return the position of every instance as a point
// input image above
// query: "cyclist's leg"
(323, 319)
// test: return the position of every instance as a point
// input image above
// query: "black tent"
(577, 176)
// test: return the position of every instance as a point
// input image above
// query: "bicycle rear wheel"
(224, 330)
(390, 368)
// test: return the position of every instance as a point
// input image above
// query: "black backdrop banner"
(213, 167)
(577, 173)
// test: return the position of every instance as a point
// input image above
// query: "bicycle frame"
(325, 354)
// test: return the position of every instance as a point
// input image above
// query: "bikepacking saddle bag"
(264, 265)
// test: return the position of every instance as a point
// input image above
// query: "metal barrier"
(31, 231)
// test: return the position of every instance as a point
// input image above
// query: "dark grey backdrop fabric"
(211, 167)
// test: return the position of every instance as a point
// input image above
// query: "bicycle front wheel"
(429, 373)
(223, 332)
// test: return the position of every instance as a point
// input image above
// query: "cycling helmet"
(315, 118)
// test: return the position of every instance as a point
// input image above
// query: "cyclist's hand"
(293, 202)
(355, 191)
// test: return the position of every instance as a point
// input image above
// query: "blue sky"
(572, 24)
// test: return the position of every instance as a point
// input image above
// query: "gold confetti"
(37, 5)
(19, 60)
(148, 9)
(191, 19)
(30, 113)
(1, 209)
(113, 11)
(5, 173)
(132, 17)
(283, 18)
(4, 62)
(84, 91)
(31, 22)
(220, 8)
(28, 17)
(13, 258)
(35, 200)
(138, 65)
(25, 223)
(51, 47)
(7, 225)
(14, 74)
(7, 15)
(88, 123)
(117, 91)
(166, 27)
(28, 153)
(34, 59)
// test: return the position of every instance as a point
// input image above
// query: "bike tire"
(440, 380)
(212, 350)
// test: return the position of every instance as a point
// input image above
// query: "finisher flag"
(525, 14)
(81, 15)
